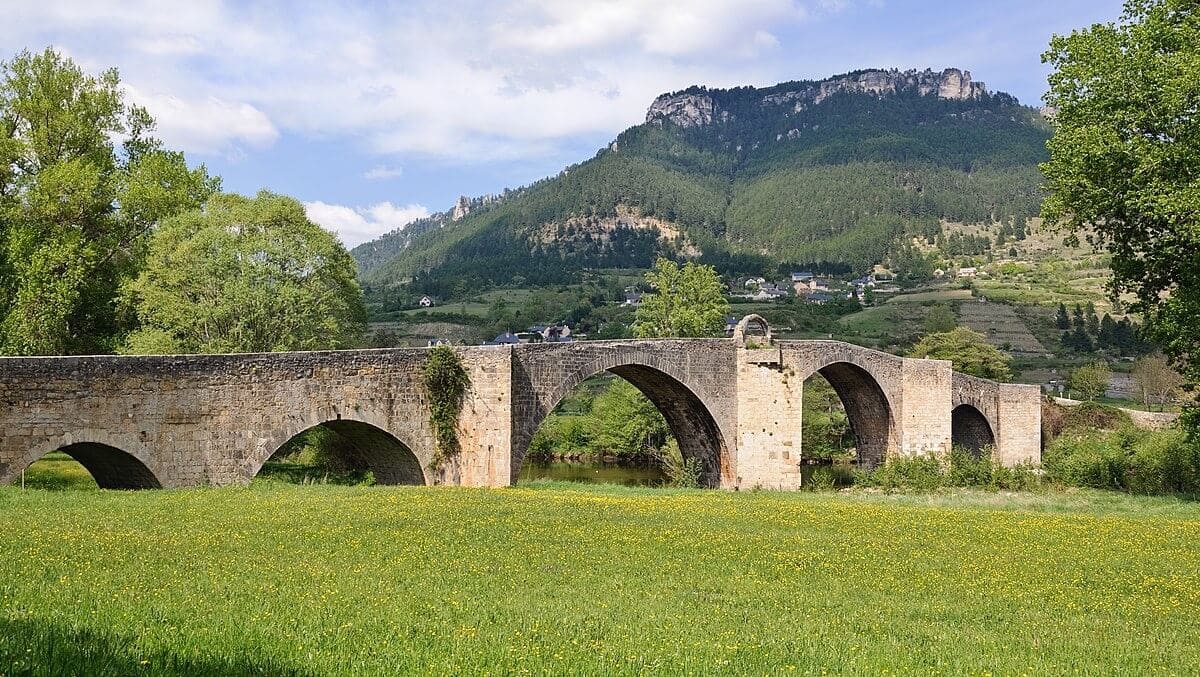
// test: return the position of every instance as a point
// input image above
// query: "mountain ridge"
(802, 171)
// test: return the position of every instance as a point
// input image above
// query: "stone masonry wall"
(769, 421)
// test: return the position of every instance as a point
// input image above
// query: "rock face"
(685, 110)
(696, 109)
(461, 208)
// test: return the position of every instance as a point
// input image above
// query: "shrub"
(1136, 461)
(822, 479)
(919, 473)
(681, 472)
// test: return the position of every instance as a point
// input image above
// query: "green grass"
(57, 471)
(560, 579)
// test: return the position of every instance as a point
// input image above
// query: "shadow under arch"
(358, 445)
(868, 411)
(970, 429)
(112, 468)
(689, 419)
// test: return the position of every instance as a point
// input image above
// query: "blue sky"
(376, 113)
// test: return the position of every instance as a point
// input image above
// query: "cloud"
(355, 225)
(382, 172)
(465, 81)
(206, 125)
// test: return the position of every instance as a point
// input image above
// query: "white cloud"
(382, 172)
(355, 225)
(458, 81)
(206, 125)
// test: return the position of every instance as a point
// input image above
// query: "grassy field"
(281, 579)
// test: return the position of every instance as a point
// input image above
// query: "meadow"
(552, 578)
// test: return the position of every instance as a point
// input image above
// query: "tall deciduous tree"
(1125, 159)
(968, 350)
(1156, 379)
(245, 275)
(687, 301)
(74, 209)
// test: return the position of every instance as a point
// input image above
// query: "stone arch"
(362, 443)
(688, 417)
(869, 410)
(747, 324)
(110, 466)
(970, 429)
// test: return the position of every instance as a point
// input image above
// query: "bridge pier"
(734, 404)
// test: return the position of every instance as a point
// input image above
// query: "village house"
(969, 271)
(425, 302)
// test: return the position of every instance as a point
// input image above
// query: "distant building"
(632, 298)
(969, 271)
(557, 333)
(425, 302)
(730, 324)
(506, 339)
(439, 342)
(803, 276)
(819, 298)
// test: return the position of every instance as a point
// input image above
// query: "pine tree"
(1062, 320)
(1080, 340)
(1107, 336)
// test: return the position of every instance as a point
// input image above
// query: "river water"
(594, 472)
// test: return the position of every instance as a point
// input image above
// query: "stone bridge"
(734, 404)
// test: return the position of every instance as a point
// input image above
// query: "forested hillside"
(828, 174)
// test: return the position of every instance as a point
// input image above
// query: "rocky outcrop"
(951, 83)
(599, 230)
(699, 107)
(461, 208)
(685, 110)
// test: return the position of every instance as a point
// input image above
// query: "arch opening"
(616, 422)
(970, 429)
(868, 413)
(344, 451)
(86, 465)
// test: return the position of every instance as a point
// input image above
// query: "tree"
(940, 319)
(1106, 337)
(1093, 321)
(75, 210)
(687, 301)
(1091, 380)
(1125, 161)
(1156, 379)
(968, 350)
(245, 275)
(623, 421)
(1062, 320)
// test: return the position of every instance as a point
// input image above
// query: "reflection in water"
(597, 472)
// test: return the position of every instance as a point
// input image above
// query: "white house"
(425, 302)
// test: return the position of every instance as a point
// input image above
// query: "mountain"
(830, 173)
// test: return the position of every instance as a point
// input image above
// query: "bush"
(683, 473)
(1136, 461)
(919, 473)
(962, 469)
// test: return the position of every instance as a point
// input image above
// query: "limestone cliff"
(696, 108)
